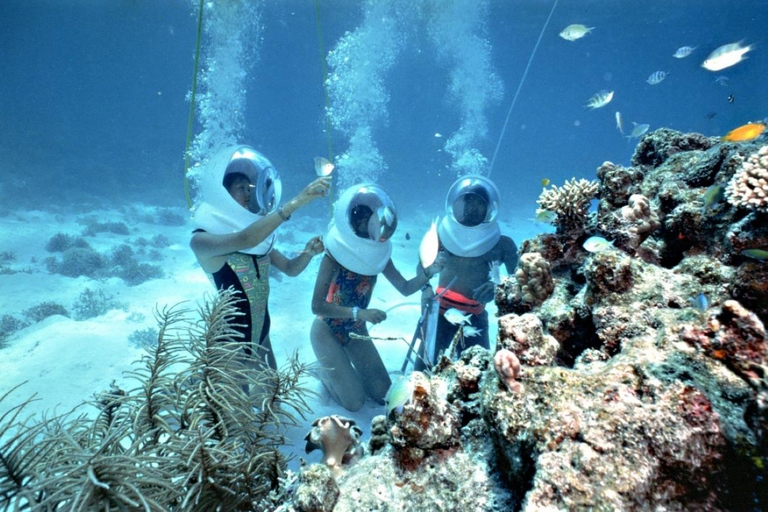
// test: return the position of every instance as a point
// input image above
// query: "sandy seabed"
(63, 361)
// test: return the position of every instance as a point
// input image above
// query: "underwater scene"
(353, 255)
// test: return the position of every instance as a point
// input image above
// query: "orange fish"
(746, 132)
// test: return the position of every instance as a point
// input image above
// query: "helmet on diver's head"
(472, 201)
(371, 213)
(266, 187)
(364, 220)
(218, 211)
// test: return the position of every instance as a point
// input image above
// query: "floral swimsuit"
(351, 290)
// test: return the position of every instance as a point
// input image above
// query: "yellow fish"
(545, 182)
(744, 133)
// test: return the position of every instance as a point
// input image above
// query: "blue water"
(93, 94)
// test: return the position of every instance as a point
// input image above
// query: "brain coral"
(749, 186)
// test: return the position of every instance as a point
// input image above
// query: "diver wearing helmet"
(358, 249)
(234, 236)
(472, 244)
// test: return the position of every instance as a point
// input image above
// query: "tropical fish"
(600, 99)
(575, 31)
(429, 246)
(749, 131)
(726, 56)
(545, 216)
(710, 115)
(597, 244)
(722, 80)
(399, 393)
(657, 77)
(757, 254)
(471, 331)
(456, 317)
(638, 131)
(684, 51)
(438, 135)
(323, 167)
(700, 302)
(713, 196)
(545, 182)
(619, 122)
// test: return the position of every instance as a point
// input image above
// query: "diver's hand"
(427, 295)
(436, 267)
(318, 188)
(373, 316)
(315, 246)
(484, 293)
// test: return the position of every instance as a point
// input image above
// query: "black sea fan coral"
(570, 203)
(201, 430)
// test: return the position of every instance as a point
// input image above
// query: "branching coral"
(570, 203)
(188, 437)
(534, 276)
(749, 186)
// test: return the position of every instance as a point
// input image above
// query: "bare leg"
(336, 371)
(370, 367)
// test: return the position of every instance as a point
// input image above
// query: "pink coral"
(508, 369)
(337, 437)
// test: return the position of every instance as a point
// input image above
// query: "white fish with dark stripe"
(600, 99)
(657, 77)
(684, 51)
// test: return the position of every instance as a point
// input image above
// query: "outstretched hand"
(318, 188)
(315, 246)
(373, 316)
(436, 267)
(484, 293)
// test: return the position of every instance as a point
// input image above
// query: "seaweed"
(201, 430)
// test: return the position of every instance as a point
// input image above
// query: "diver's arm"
(412, 285)
(328, 269)
(509, 254)
(208, 246)
(295, 266)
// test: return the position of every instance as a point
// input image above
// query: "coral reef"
(508, 368)
(571, 204)
(749, 186)
(534, 278)
(639, 374)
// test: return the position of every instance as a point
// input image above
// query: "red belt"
(450, 299)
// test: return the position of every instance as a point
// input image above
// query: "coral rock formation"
(534, 277)
(570, 202)
(338, 438)
(749, 186)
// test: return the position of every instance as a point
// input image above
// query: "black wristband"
(282, 215)
(424, 288)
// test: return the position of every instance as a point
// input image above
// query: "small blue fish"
(657, 77)
(700, 302)
(597, 244)
(757, 254)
